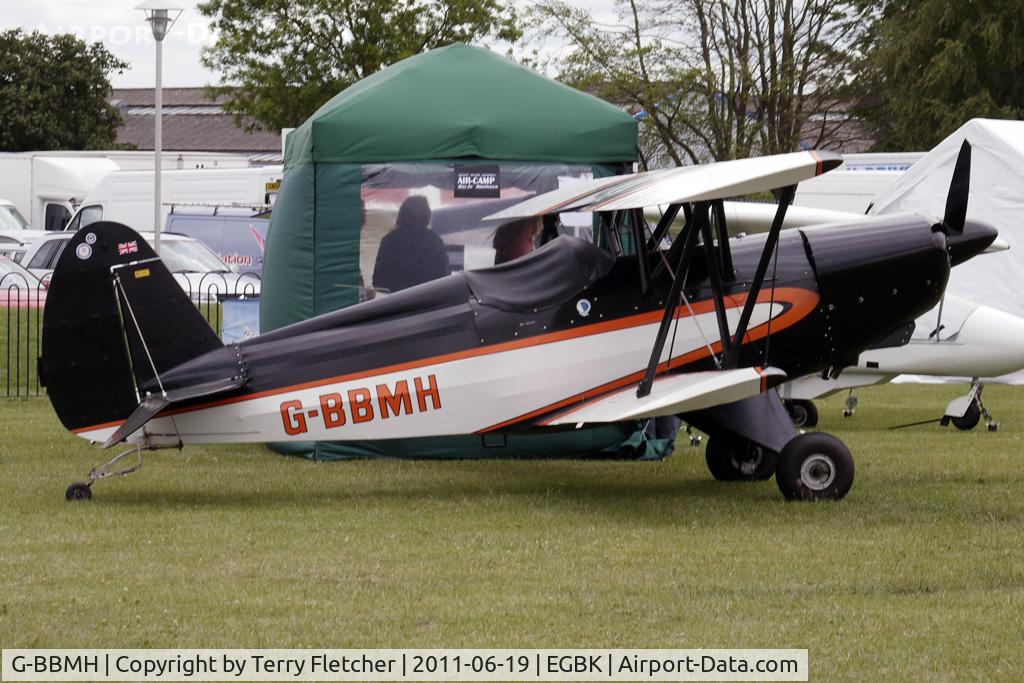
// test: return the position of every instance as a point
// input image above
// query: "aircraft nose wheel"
(970, 419)
(78, 491)
(815, 466)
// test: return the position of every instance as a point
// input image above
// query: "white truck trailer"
(47, 188)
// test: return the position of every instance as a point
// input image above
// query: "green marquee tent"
(408, 126)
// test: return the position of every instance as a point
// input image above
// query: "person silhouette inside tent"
(411, 253)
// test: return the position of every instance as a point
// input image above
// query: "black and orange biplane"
(569, 335)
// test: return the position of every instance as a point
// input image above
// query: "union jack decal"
(125, 248)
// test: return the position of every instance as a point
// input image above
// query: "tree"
(929, 66)
(715, 79)
(283, 59)
(54, 92)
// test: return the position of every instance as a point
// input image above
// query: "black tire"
(803, 413)
(970, 419)
(737, 460)
(78, 491)
(815, 466)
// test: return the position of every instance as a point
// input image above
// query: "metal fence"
(23, 301)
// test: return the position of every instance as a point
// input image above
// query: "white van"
(46, 188)
(127, 196)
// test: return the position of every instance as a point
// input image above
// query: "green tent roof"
(462, 101)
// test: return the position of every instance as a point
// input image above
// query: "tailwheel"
(83, 491)
(739, 460)
(78, 491)
(803, 413)
(814, 466)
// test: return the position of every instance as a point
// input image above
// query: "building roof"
(191, 123)
(172, 97)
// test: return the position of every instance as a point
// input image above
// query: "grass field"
(917, 575)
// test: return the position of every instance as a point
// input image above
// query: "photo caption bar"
(404, 665)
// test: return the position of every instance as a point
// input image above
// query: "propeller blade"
(959, 188)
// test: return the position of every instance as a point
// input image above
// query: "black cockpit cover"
(556, 272)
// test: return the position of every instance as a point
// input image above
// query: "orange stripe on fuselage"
(801, 299)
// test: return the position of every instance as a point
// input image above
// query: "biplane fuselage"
(476, 353)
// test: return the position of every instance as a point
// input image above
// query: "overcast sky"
(123, 30)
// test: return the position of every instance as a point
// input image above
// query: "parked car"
(11, 219)
(199, 271)
(12, 247)
(18, 287)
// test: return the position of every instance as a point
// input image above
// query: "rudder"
(113, 314)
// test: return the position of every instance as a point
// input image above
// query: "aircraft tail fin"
(115, 319)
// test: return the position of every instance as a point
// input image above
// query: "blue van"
(238, 239)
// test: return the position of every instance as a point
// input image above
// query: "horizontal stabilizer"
(674, 394)
(719, 180)
(156, 403)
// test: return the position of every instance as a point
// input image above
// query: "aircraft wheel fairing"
(78, 491)
(815, 466)
(730, 460)
(803, 412)
(970, 419)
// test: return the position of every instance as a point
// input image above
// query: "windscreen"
(422, 221)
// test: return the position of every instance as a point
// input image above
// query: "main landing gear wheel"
(803, 412)
(814, 466)
(78, 491)
(736, 460)
(970, 419)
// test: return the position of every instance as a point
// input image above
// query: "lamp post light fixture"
(161, 15)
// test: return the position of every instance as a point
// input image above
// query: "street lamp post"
(161, 15)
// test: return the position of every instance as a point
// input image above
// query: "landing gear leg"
(992, 425)
(695, 439)
(83, 491)
(851, 404)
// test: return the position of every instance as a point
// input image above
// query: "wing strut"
(663, 225)
(677, 244)
(724, 249)
(700, 217)
(714, 267)
(731, 358)
(637, 224)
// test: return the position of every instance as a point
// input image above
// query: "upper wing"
(718, 180)
(673, 394)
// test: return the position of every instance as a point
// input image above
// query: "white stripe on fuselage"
(472, 394)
